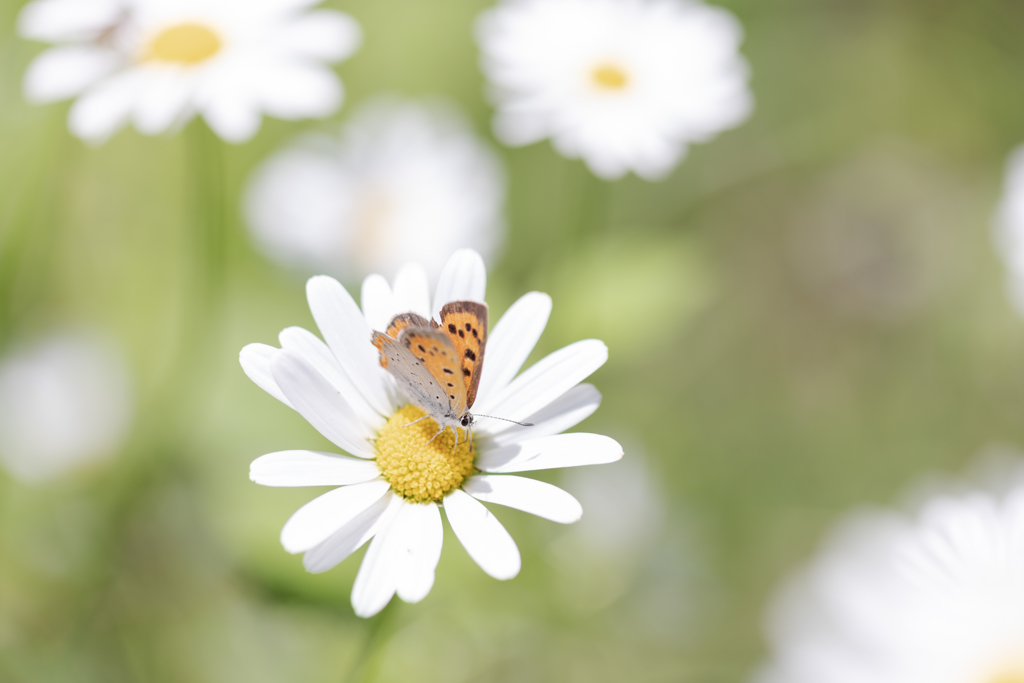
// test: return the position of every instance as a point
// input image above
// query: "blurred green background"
(807, 316)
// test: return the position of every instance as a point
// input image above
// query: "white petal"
(565, 412)
(423, 551)
(510, 343)
(56, 21)
(550, 452)
(464, 278)
(378, 302)
(313, 349)
(104, 108)
(482, 535)
(255, 360)
(412, 290)
(528, 495)
(382, 566)
(63, 72)
(323, 34)
(347, 539)
(311, 468)
(163, 102)
(548, 379)
(345, 330)
(296, 91)
(317, 520)
(234, 119)
(320, 403)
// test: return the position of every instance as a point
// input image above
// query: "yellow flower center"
(610, 77)
(1011, 677)
(418, 468)
(184, 43)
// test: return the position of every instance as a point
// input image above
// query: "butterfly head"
(466, 420)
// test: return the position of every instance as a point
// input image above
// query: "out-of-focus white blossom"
(158, 63)
(626, 85)
(65, 401)
(1010, 228)
(935, 595)
(405, 181)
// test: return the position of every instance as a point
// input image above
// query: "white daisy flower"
(626, 85)
(65, 401)
(936, 596)
(395, 478)
(363, 203)
(158, 63)
(1010, 228)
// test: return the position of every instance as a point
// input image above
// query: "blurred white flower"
(394, 487)
(64, 402)
(1010, 228)
(936, 596)
(625, 84)
(603, 554)
(158, 63)
(406, 181)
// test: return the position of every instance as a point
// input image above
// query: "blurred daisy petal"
(323, 34)
(63, 72)
(183, 59)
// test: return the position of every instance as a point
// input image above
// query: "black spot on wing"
(451, 328)
(466, 372)
(470, 354)
(462, 334)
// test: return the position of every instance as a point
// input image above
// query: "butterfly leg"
(417, 420)
(439, 433)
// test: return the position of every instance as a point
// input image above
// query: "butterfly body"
(438, 365)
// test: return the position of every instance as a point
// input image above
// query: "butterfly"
(438, 366)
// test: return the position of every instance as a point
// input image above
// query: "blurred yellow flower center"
(610, 77)
(417, 468)
(1013, 677)
(184, 44)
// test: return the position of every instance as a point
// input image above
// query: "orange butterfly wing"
(465, 323)
(397, 324)
(437, 354)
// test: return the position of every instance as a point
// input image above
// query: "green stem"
(379, 629)
(209, 235)
(592, 207)
(30, 231)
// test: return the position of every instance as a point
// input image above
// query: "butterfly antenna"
(521, 424)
